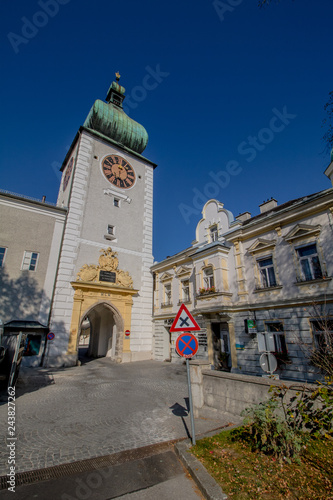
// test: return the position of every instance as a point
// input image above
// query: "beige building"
(30, 240)
(253, 284)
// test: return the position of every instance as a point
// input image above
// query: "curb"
(207, 485)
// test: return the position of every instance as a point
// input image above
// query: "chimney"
(244, 216)
(43, 199)
(268, 205)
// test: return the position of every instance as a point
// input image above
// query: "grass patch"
(244, 473)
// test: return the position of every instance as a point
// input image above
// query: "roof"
(287, 204)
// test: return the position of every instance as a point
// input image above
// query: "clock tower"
(104, 284)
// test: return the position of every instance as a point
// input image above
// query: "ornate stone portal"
(98, 288)
(107, 262)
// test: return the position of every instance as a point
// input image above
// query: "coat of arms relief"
(108, 261)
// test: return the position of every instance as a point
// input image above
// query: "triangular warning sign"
(184, 321)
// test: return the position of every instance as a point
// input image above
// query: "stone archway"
(106, 331)
(103, 293)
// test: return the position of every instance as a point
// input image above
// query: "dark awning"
(22, 325)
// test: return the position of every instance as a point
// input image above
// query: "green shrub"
(281, 425)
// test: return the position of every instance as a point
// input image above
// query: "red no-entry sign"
(187, 345)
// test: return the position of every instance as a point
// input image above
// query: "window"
(116, 202)
(167, 295)
(279, 339)
(209, 277)
(2, 256)
(30, 260)
(266, 272)
(309, 262)
(186, 291)
(214, 234)
(323, 333)
(111, 230)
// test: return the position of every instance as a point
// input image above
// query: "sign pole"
(190, 400)
(187, 347)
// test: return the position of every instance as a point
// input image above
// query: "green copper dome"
(111, 120)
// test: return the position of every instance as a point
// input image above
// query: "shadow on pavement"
(181, 411)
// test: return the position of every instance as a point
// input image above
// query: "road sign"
(187, 345)
(184, 321)
(50, 336)
(127, 333)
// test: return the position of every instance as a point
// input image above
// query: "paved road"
(97, 409)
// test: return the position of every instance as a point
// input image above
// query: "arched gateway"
(103, 296)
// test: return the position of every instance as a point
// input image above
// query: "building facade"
(254, 284)
(93, 261)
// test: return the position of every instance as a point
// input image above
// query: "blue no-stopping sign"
(187, 345)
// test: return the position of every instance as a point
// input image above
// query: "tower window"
(111, 230)
(30, 260)
(2, 255)
(116, 202)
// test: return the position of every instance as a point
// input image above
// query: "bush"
(281, 425)
(268, 432)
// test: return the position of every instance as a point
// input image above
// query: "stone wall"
(227, 392)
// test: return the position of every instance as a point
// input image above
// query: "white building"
(90, 260)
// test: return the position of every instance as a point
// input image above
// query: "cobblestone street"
(97, 409)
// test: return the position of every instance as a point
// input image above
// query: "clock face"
(118, 171)
(68, 174)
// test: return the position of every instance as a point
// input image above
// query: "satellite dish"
(268, 362)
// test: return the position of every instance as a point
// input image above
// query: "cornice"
(291, 214)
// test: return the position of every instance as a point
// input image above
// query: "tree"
(319, 352)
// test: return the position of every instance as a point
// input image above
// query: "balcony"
(207, 291)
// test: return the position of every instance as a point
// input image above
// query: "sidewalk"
(75, 425)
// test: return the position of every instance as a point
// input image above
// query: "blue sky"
(236, 113)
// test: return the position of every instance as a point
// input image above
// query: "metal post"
(190, 400)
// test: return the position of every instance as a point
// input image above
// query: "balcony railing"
(266, 287)
(184, 301)
(166, 304)
(303, 279)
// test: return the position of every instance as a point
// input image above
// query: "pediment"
(261, 244)
(303, 231)
(166, 277)
(183, 271)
